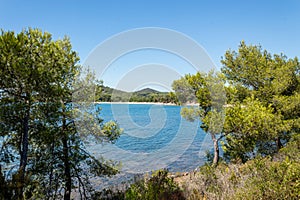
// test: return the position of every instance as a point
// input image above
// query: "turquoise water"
(155, 136)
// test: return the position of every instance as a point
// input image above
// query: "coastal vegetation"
(42, 152)
(108, 94)
(250, 110)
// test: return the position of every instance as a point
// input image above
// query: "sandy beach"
(148, 103)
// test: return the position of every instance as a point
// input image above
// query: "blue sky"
(216, 25)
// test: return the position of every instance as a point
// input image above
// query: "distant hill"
(108, 94)
(147, 91)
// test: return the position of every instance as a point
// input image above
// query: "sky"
(216, 26)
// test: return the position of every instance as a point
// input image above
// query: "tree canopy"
(208, 91)
(261, 102)
(38, 130)
(272, 82)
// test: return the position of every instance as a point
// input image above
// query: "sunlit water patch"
(155, 136)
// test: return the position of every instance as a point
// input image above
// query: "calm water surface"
(154, 137)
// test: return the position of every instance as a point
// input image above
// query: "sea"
(155, 136)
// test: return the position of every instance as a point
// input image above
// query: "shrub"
(158, 187)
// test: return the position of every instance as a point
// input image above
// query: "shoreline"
(146, 103)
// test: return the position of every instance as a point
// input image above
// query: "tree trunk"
(68, 180)
(278, 143)
(23, 154)
(23, 160)
(49, 191)
(216, 150)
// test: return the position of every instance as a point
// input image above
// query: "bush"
(158, 187)
(276, 177)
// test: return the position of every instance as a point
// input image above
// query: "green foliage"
(39, 78)
(276, 177)
(249, 128)
(262, 115)
(108, 194)
(292, 149)
(159, 186)
(107, 94)
(258, 70)
(236, 93)
(191, 113)
(270, 78)
(209, 92)
(34, 74)
(184, 91)
(264, 101)
(271, 180)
